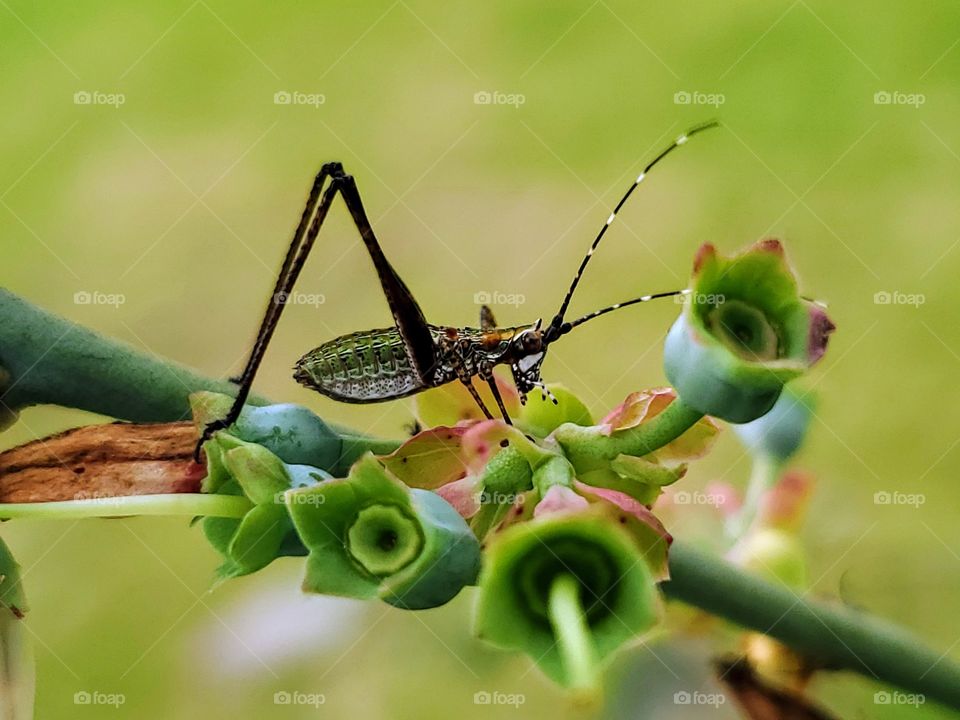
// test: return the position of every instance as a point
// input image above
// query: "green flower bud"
(266, 531)
(775, 555)
(293, 433)
(525, 591)
(501, 485)
(451, 404)
(370, 536)
(540, 418)
(640, 446)
(744, 333)
(475, 467)
(779, 433)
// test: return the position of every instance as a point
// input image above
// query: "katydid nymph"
(413, 355)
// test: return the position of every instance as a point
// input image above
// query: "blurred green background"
(181, 198)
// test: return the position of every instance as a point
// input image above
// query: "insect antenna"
(555, 329)
(568, 326)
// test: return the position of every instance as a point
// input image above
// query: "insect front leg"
(486, 373)
(468, 383)
(452, 354)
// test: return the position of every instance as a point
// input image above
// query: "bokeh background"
(146, 154)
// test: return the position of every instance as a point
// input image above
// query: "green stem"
(52, 361)
(189, 504)
(488, 517)
(588, 448)
(763, 476)
(574, 641)
(555, 471)
(661, 430)
(832, 635)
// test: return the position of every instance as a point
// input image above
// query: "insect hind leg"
(304, 237)
(408, 317)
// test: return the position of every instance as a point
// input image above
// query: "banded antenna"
(557, 326)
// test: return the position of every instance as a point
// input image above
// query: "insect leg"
(406, 312)
(492, 382)
(303, 239)
(476, 396)
(407, 315)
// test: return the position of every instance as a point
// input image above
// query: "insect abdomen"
(362, 367)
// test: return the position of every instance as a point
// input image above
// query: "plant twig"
(50, 360)
(102, 461)
(831, 635)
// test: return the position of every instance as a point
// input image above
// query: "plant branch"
(831, 635)
(53, 361)
(102, 461)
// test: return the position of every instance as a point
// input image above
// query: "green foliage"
(265, 532)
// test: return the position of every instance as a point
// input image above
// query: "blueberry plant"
(560, 521)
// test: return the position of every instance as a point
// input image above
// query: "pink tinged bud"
(463, 495)
(785, 504)
(559, 499)
(725, 497)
